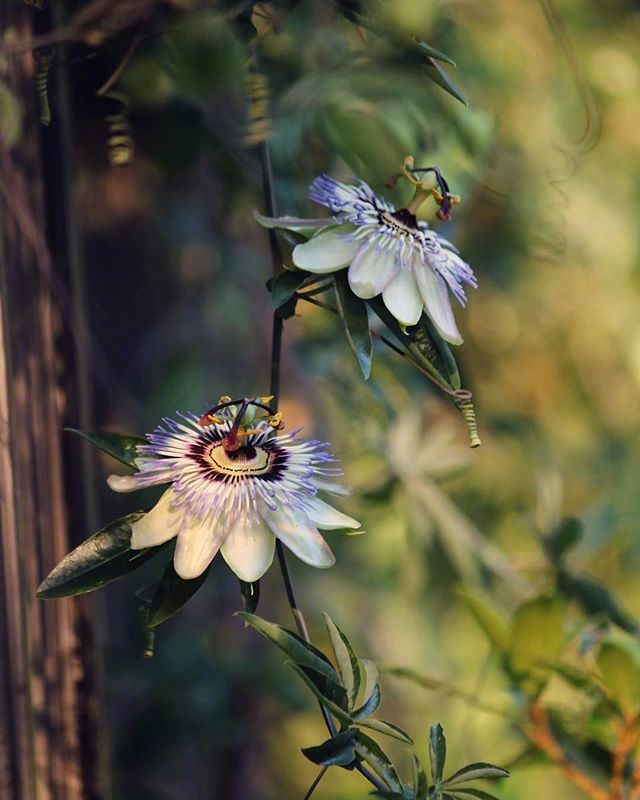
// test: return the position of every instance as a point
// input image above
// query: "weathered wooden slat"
(47, 732)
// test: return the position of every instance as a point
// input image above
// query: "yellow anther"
(215, 420)
(248, 431)
(437, 195)
(407, 165)
(275, 420)
(266, 400)
(224, 399)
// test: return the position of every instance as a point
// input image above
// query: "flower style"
(388, 252)
(235, 488)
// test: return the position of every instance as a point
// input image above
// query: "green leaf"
(353, 312)
(493, 622)
(250, 596)
(437, 752)
(330, 694)
(370, 704)
(371, 677)
(303, 653)
(378, 760)
(102, 558)
(346, 659)
(433, 53)
(388, 728)
(475, 772)
(563, 539)
(121, 446)
(285, 285)
(596, 599)
(439, 76)
(338, 751)
(537, 636)
(420, 783)
(621, 675)
(479, 794)
(171, 593)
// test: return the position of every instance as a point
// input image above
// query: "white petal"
(300, 536)
(123, 483)
(371, 270)
(327, 517)
(198, 542)
(326, 252)
(333, 488)
(158, 525)
(248, 549)
(437, 303)
(294, 223)
(402, 298)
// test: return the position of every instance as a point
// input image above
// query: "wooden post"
(48, 745)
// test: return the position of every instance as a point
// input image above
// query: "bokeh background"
(545, 156)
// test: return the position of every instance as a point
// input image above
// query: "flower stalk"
(268, 190)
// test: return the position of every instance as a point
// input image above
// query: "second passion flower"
(235, 485)
(388, 251)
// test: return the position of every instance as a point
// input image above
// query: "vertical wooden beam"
(47, 731)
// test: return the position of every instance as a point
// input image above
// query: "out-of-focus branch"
(541, 736)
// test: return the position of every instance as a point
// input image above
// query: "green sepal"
(102, 558)
(285, 285)
(303, 653)
(371, 752)
(338, 751)
(353, 312)
(120, 446)
(171, 593)
(437, 752)
(346, 659)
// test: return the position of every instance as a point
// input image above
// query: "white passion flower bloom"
(235, 488)
(388, 252)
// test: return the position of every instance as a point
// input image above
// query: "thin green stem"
(276, 351)
(314, 785)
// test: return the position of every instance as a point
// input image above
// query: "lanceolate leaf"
(370, 705)
(437, 752)
(171, 594)
(469, 794)
(439, 76)
(353, 312)
(420, 783)
(475, 772)
(121, 446)
(98, 560)
(347, 661)
(378, 760)
(294, 646)
(433, 53)
(335, 752)
(388, 729)
(332, 696)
